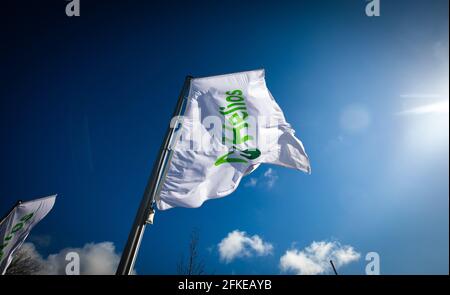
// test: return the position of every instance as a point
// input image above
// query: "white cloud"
(268, 179)
(315, 259)
(252, 182)
(271, 177)
(95, 259)
(239, 244)
(29, 250)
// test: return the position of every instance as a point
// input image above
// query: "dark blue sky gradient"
(85, 101)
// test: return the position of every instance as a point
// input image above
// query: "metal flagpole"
(145, 212)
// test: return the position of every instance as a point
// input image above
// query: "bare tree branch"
(194, 265)
(24, 262)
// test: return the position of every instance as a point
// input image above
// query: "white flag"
(231, 125)
(16, 227)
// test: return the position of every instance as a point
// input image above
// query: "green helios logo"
(235, 114)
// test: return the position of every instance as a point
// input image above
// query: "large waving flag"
(231, 125)
(16, 226)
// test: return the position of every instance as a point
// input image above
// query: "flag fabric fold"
(16, 227)
(231, 125)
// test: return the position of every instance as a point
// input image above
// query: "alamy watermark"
(73, 263)
(373, 8)
(373, 265)
(73, 8)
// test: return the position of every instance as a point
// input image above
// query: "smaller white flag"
(16, 227)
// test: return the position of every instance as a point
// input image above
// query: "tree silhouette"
(24, 262)
(193, 265)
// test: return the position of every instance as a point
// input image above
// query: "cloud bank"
(315, 259)
(95, 259)
(239, 244)
(271, 177)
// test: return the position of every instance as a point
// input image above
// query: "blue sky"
(85, 101)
